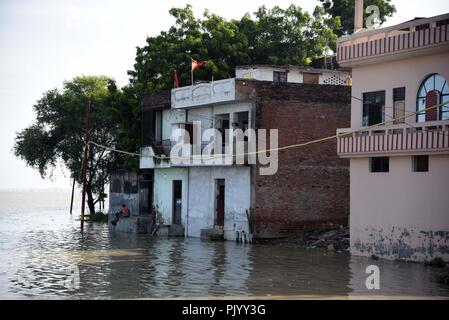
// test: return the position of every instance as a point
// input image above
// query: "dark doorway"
(177, 201)
(189, 130)
(220, 202)
(146, 193)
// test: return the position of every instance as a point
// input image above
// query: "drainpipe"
(188, 188)
(187, 203)
(358, 16)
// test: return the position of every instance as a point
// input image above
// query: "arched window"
(433, 90)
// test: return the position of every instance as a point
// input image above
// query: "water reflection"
(37, 251)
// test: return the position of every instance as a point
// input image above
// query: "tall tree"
(57, 135)
(345, 10)
(270, 36)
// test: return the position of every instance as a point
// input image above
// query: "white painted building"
(222, 191)
(399, 170)
(206, 195)
(293, 74)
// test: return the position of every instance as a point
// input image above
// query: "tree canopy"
(345, 10)
(279, 36)
(57, 135)
(271, 36)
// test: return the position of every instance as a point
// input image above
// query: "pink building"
(399, 170)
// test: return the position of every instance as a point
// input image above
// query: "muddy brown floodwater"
(44, 256)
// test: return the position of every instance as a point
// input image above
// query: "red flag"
(175, 79)
(196, 64)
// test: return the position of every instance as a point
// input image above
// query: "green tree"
(270, 36)
(57, 135)
(345, 10)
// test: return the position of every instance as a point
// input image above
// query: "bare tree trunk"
(90, 200)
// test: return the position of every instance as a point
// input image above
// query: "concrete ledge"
(212, 234)
(133, 224)
(176, 230)
(170, 230)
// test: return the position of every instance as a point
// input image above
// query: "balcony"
(203, 93)
(150, 159)
(429, 137)
(417, 37)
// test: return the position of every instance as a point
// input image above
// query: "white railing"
(393, 40)
(203, 93)
(432, 136)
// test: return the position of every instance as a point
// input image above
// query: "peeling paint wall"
(408, 73)
(123, 189)
(163, 190)
(400, 214)
(201, 212)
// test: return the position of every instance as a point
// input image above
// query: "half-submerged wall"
(124, 189)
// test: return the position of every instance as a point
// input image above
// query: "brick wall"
(311, 187)
(156, 100)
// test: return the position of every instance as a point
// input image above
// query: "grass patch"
(436, 262)
(443, 278)
(98, 217)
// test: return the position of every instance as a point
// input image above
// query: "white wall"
(408, 73)
(170, 116)
(163, 190)
(400, 214)
(201, 212)
(295, 74)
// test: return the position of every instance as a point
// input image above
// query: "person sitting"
(124, 213)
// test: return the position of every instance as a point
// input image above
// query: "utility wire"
(298, 145)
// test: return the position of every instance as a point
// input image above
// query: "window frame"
(398, 97)
(443, 93)
(278, 76)
(415, 165)
(366, 97)
(384, 168)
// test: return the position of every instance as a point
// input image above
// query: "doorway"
(219, 202)
(177, 202)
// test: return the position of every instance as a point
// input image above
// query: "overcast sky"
(44, 42)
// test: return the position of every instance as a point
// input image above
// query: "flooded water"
(44, 256)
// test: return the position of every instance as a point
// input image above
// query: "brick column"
(432, 100)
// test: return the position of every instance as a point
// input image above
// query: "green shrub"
(443, 278)
(436, 262)
(98, 217)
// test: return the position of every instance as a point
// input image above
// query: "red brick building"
(311, 186)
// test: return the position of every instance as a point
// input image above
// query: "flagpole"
(191, 76)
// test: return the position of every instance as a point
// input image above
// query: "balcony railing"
(203, 93)
(427, 137)
(406, 37)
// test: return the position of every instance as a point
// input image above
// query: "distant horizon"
(45, 43)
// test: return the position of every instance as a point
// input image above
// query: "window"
(399, 105)
(380, 164)
(279, 76)
(420, 163)
(147, 127)
(158, 127)
(423, 27)
(433, 90)
(311, 78)
(373, 108)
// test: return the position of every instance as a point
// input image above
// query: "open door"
(177, 201)
(219, 202)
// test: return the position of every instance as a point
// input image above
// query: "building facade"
(310, 186)
(398, 142)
